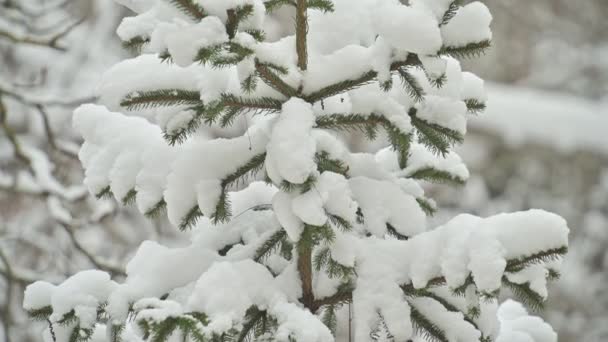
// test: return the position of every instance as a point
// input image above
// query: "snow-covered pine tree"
(263, 107)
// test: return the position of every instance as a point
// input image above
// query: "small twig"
(12, 137)
(47, 126)
(6, 311)
(33, 102)
(100, 264)
(50, 42)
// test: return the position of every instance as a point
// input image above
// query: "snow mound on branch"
(517, 326)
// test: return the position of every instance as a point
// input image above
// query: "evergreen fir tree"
(292, 217)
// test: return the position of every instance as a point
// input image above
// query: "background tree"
(50, 227)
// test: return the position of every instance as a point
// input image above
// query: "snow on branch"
(294, 150)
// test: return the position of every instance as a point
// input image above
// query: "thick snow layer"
(291, 149)
(471, 24)
(407, 28)
(83, 293)
(382, 203)
(517, 326)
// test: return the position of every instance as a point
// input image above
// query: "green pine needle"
(436, 137)
(411, 84)
(475, 106)
(272, 5)
(425, 327)
(41, 314)
(156, 210)
(190, 219)
(161, 97)
(136, 44)
(525, 294)
(516, 265)
(392, 231)
(129, 198)
(325, 6)
(329, 318)
(325, 163)
(270, 246)
(188, 7)
(451, 12)
(470, 50)
(105, 193)
(427, 206)
(431, 174)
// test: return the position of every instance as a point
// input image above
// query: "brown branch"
(301, 31)
(305, 271)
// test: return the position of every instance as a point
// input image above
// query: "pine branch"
(425, 327)
(369, 124)
(301, 188)
(323, 260)
(190, 219)
(341, 87)
(189, 7)
(208, 53)
(367, 77)
(451, 12)
(525, 294)
(438, 138)
(239, 176)
(156, 210)
(324, 6)
(414, 89)
(161, 97)
(129, 198)
(104, 193)
(325, 163)
(410, 292)
(427, 206)
(339, 222)
(179, 135)
(272, 5)
(237, 105)
(270, 246)
(253, 318)
(235, 16)
(115, 332)
(343, 295)
(41, 314)
(258, 35)
(390, 229)
(329, 318)
(273, 80)
(475, 106)
(434, 175)
(136, 44)
(516, 265)
(470, 50)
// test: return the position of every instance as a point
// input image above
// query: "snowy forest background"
(540, 144)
